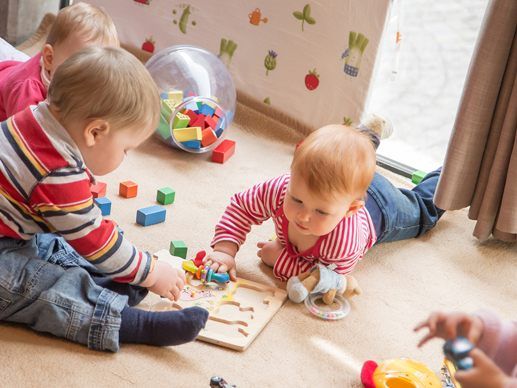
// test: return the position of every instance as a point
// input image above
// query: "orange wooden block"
(223, 151)
(128, 189)
(98, 190)
(209, 137)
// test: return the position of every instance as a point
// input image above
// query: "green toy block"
(180, 121)
(165, 195)
(178, 248)
(168, 106)
(417, 176)
(163, 129)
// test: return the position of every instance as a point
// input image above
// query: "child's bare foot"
(269, 251)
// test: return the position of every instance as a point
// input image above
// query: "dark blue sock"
(161, 328)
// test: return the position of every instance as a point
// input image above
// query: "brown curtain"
(480, 168)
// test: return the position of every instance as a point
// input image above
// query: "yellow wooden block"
(187, 134)
(176, 96)
(168, 106)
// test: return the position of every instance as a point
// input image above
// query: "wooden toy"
(207, 110)
(104, 205)
(199, 121)
(163, 128)
(238, 311)
(168, 106)
(187, 134)
(150, 215)
(98, 190)
(178, 248)
(223, 151)
(219, 113)
(128, 189)
(209, 137)
(180, 121)
(165, 195)
(176, 96)
(210, 122)
(194, 144)
(417, 176)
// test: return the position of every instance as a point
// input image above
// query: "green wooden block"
(417, 176)
(165, 195)
(180, 121)
(178, 248)
(163, 129)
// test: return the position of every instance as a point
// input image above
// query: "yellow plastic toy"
(398, 373)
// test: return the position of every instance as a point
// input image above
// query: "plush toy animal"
(321, 279)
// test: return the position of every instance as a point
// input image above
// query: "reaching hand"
(222, 262)
(451, 325)
(165, 280)
(484, 374)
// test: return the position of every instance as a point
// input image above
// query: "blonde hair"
(335, 159)
(90, 22)
(107, 83)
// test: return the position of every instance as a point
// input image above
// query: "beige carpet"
(402, 282)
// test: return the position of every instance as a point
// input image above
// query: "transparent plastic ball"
(197, 96)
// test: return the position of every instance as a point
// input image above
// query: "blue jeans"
(400, 214)
(46, 285)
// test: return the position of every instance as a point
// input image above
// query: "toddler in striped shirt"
(330, 209)
(63, 268)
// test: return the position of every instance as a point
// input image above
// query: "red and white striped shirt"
(343, 247)
(45, 188)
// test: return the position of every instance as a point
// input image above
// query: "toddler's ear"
(355, 206)
(47, 54)
(95, 131)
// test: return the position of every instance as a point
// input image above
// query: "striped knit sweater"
(344, 246)
(45, 188)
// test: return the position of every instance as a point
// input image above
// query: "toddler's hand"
(451, 325)
(222, 262)
(485, 373)
(165, 280)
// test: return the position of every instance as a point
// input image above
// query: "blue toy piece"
(194, 144)
(207, 110)
(104, 205)
(457, 351)
(150, 215)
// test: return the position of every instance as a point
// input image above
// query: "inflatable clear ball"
(197, 97)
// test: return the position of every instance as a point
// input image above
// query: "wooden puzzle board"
(238, 310)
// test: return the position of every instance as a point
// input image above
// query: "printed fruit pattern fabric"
(312, 80)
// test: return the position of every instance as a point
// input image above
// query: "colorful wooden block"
(163, 128)
(210, 122)
(176, 96)
(187, 134)
(219, 132)
(178, 248)
(128, 189)
(164, 96)
(165, 195)
(192, 106)
(219, 113)
(223, 151)
(199, 121)
(180, 120)
(150, 215)
(207, 110)
(104, 205)
(191, 114)
(194, 144)
(209, 137)
(417, 176)
(98, 189)
(168, 106)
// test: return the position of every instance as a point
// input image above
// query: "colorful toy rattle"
(204, 272)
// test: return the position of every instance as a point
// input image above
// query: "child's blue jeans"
(400, 214)
(48, 286)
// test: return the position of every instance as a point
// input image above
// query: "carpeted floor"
(402, 283)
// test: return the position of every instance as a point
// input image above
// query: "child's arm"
(250, 207)
(499, 340)
(65, 204)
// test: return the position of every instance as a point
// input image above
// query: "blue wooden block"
(220, 124)
(150, 215)
(104, 204)
(194, 144)
(219, 132)
(192, 106)
(164, 96)
(207, 110)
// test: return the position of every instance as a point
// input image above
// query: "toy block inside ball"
(98, 189)
(210, 122)
(165, 195)
(168, 106)
(187, 134)
(207, 110)
(209, 137)
(223, 151)
(193, 144)
(178, 248)
(180, 121)
(176, 96)
(128, 189)
(150, 215)
(104, 204)
(163, 128)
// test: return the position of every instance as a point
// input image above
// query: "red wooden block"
(191, 114)
(209, 137)
(128, 189)
(219, 113)
(98, 190)
(198, 122)
(210, 122)
(223, 151)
